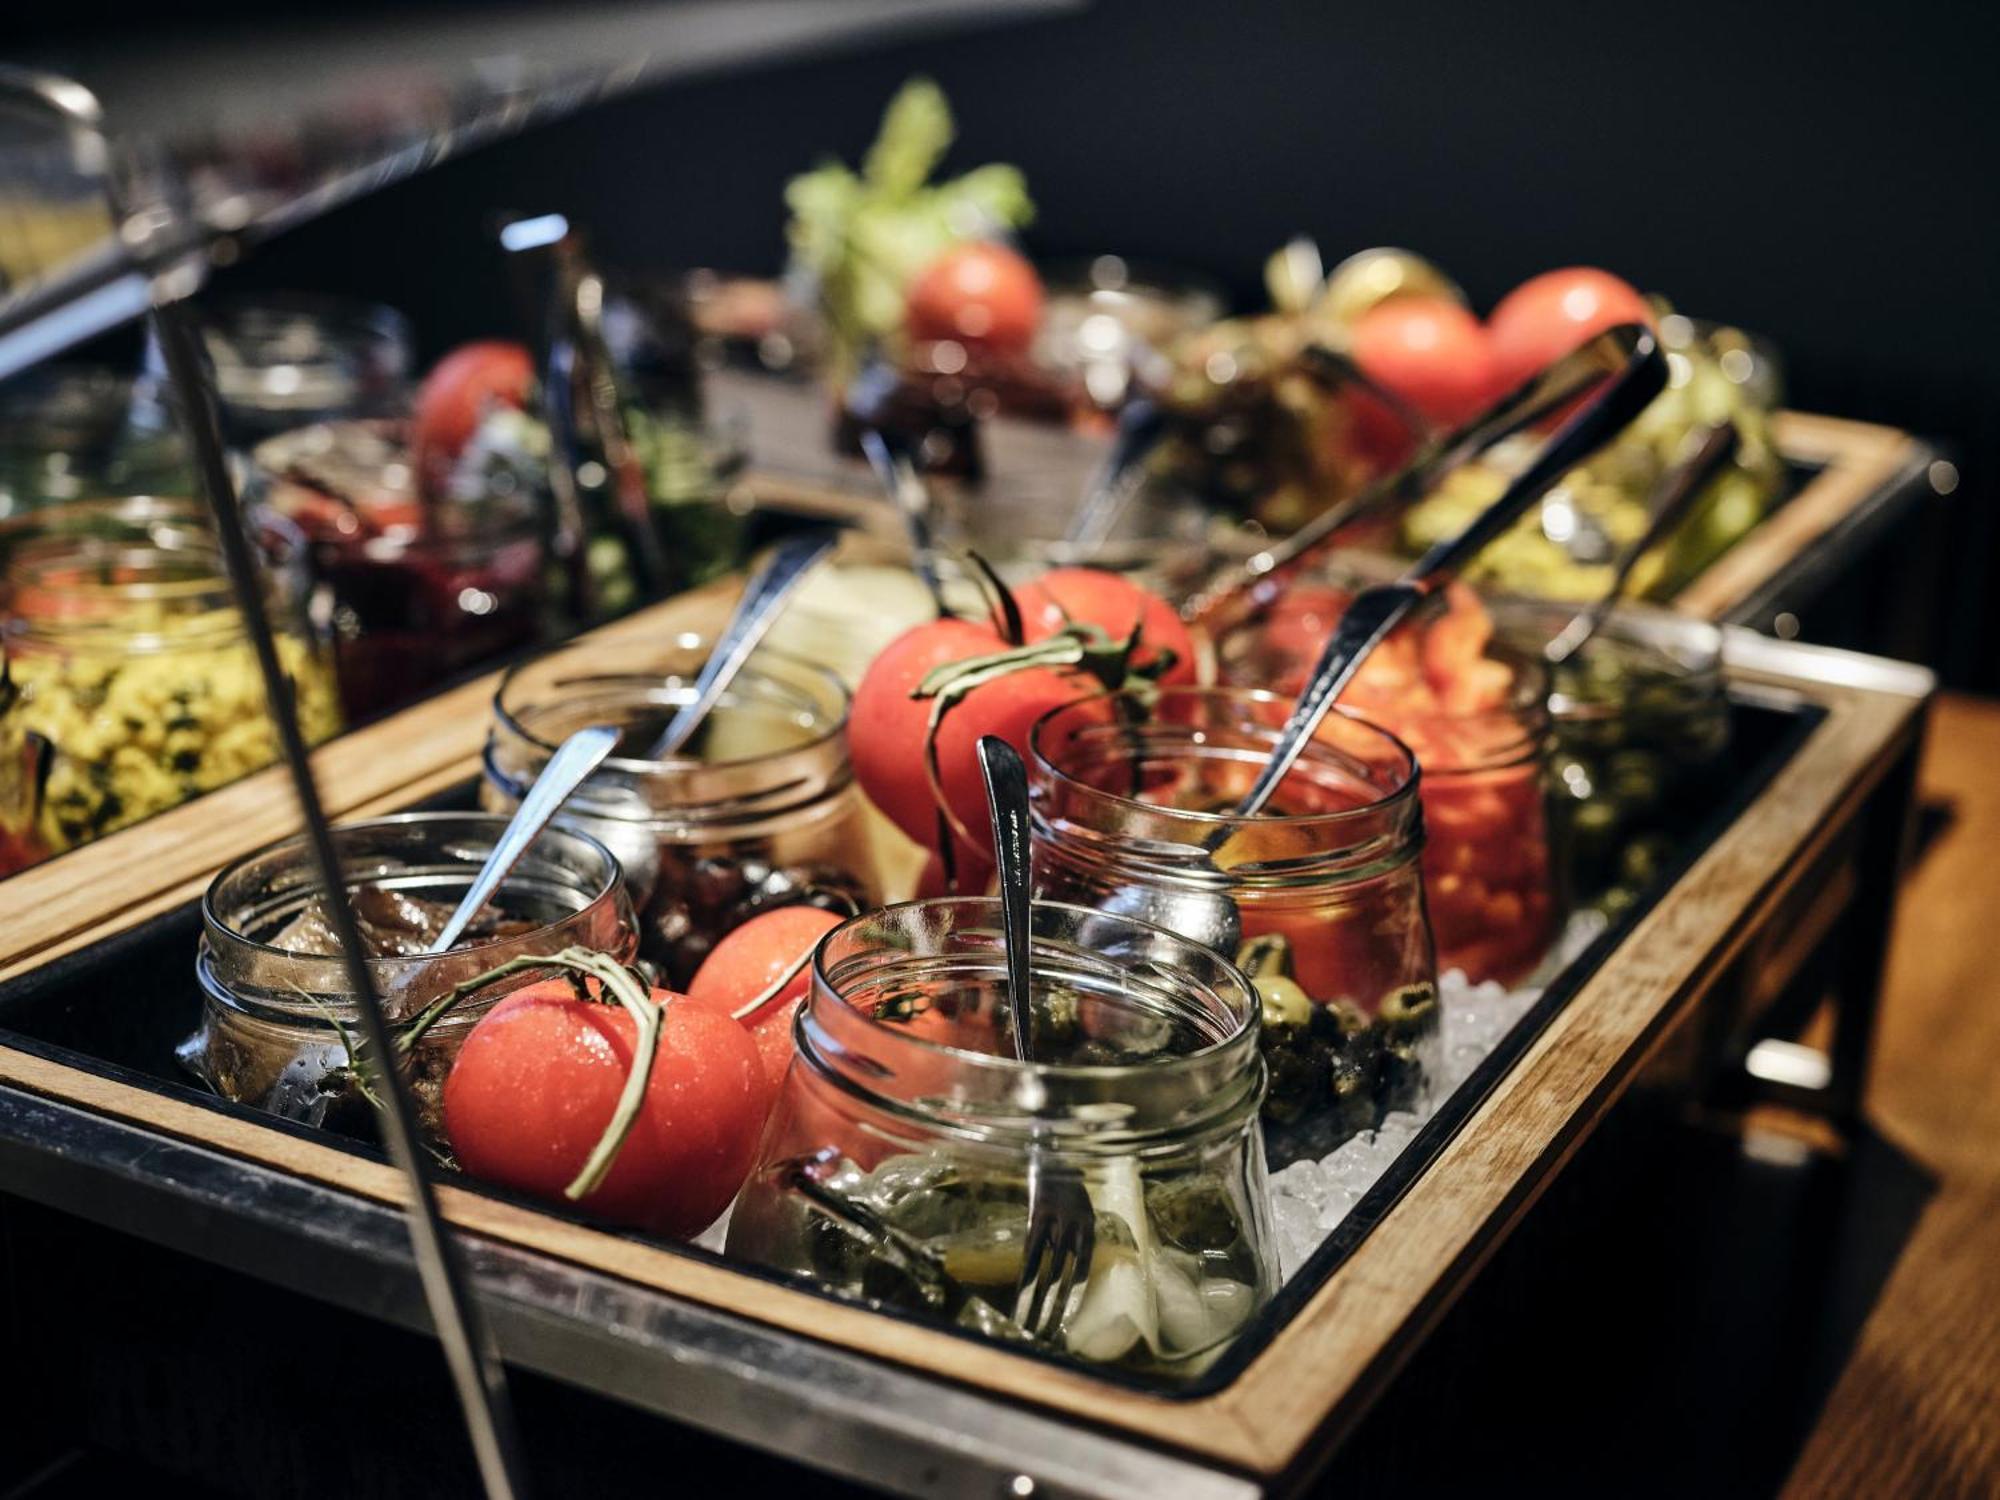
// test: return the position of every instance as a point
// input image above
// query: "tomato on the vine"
(750, 961)
(537, 1081)
(927, 698)
(889, 724)
(1114, 604)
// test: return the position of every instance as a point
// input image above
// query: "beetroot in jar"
(418, 592)
(1476, 715)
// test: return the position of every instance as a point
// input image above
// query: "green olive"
(1286, 1005)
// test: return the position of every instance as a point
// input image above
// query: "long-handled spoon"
(1205, 914)
(897, 469)
(1141, 425)
(574, 759)
(762, 602)
(1670, 501)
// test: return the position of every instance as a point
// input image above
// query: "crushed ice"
(1309, 1198)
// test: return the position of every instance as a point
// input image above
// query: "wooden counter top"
(1917, 1409)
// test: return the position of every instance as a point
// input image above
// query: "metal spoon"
(1670, 501)
(1141, 425)
(1207, 915)
(574, 760)
(897, 469)
(763, 600)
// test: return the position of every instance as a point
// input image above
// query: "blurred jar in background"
(71, 431)
(285, 359)
(129, 658)
(415, 593)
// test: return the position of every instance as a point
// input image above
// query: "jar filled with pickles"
(417, 591)
(1475, 712)
(1642, 728)
(279, 1022)
(908, 1136)
(1132, 798)
(759, 811)
(130, 664)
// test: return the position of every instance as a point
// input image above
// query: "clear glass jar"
(417, 593)
(1475, 712)
(1642, 728)
(132, 662)
(71, 431)
(277, 1014)
(906, 1114)
(762, 811)
(285, 359)
(20, 777)
(1133, 790)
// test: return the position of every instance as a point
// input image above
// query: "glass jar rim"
(212, 920)
(1406, 789)
(1241, 1035)
(170, 530)
(687, 640)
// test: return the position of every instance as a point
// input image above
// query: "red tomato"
(1547, 316)
(1429, 351)
(977, 293)
(1091, 597)
(975, 875)
(457, 393)
(749, 961)
(535, 1084)
(886, 727)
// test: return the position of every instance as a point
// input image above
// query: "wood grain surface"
(1319, 1375)
(1917, 1408)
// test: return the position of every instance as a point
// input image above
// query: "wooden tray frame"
(1320, 1372)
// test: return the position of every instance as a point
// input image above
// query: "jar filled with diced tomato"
(1475, 712)
(899, 1160)
(1133, 794)
(760, 810)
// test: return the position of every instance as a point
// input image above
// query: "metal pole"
(469, 1350)
(470, 1353)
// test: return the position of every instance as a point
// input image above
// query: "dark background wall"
(1823, 174)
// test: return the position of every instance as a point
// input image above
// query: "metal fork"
(1062, 1224)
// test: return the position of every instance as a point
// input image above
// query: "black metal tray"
(121, 1007)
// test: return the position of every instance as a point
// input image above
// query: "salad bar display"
(1131, 1121)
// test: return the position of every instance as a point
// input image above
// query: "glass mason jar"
(277, 1014)
(70, 431)
(417, 593)
(1133, 791)
(761, 811)
(1475, 712)
(1642, 728)
(895, 1164)
(132, 664)
(282, 360)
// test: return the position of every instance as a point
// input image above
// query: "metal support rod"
(474, 1360)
